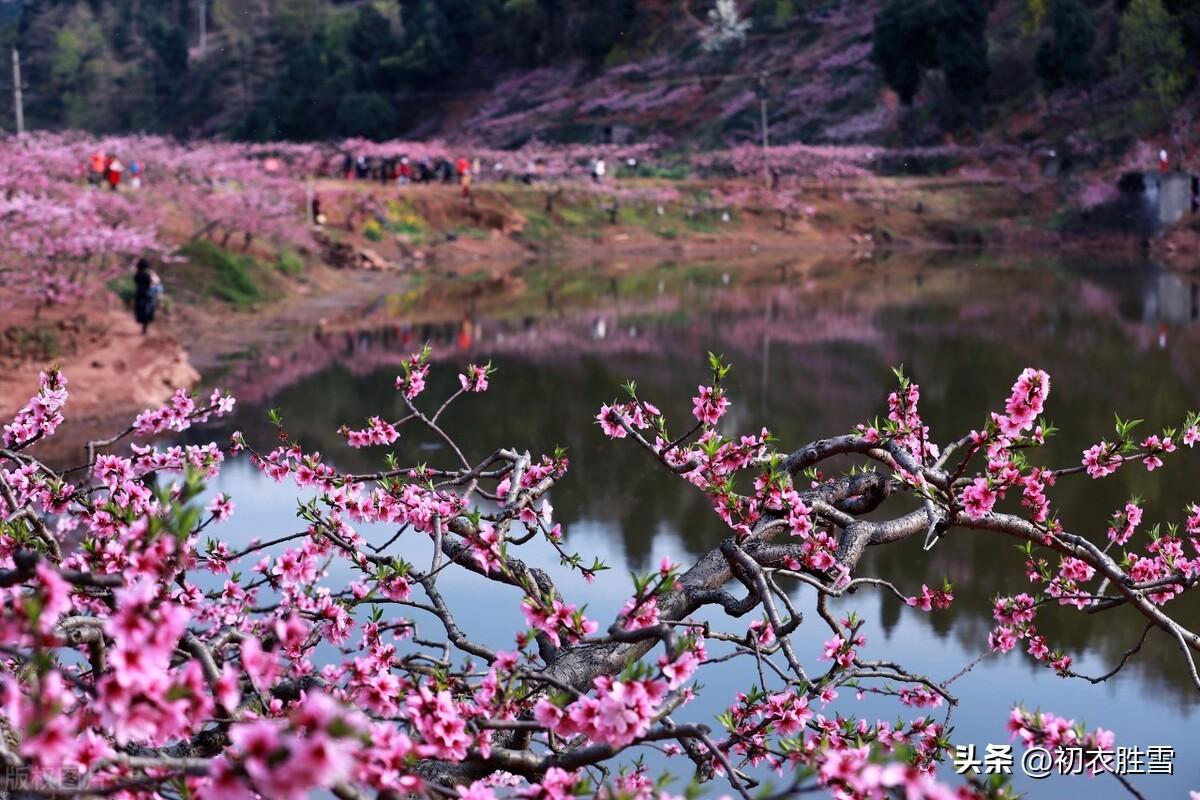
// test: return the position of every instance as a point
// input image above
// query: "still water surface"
(812, 345)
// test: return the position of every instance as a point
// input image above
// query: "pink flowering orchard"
(145, 657)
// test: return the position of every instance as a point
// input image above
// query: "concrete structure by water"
(1153, 201)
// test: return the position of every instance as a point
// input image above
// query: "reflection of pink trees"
(144, 654)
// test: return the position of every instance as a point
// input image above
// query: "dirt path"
(115, 372)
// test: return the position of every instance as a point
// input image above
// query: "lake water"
(812, 342)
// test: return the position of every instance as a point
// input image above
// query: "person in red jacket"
(464, 176)
(115, 168)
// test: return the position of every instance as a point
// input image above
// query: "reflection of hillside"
(675, 308)
(812, 351)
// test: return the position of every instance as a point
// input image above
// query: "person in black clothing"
(147, 288)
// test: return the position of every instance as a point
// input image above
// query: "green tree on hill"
(1152, 57)
(366, 114)
(903, 46)
(1065, 58)
(962, 50)
(948, 35)
(430, 47)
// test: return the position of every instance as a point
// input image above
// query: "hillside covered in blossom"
(583, 71)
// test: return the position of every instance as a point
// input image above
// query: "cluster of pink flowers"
(1068, 584)
(1166, 558)
(315, 748)
(1033, 495)
(442, 729)
(475, 379)
(680, 666)
(412, 382)
(377, 432)
(1125, 522)
(840, 650)
(486, 548)
(1101, 460)
(1192, 525)
(920, 697)
(850, 768)
(799, 515)
(838, 749)
(42, 415)
(141, 697)
(1191, 435)
(709, 405)
(181, 412)
(1015, 617)
(636, 414)
(1044, 729)
(1005, 469)
(979, 498)
(930, 599)
(753, 717)
(559, 621)
(620, 712)
(1026, 402)
(1155, 449)
(910, 431)
(637, 614)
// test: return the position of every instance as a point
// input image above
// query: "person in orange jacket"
(464, 176)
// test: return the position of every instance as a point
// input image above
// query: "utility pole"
(18, 100)
(203, 8)
(766, 142)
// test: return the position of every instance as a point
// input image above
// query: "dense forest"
(284, 68)
(313, 69)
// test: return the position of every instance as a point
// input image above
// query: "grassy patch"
(123, 287)
(403, 219)
(217, 273)
(471, 232)
(574, 216)
(39, 342)
(289, 263)
(671, 172)
(704, 222)
(539, 228)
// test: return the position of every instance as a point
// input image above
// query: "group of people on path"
(402, 171)
(106, 169)
(395, 169)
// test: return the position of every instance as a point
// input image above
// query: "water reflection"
(812, 345)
